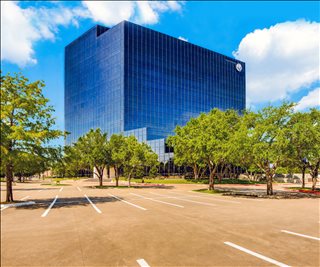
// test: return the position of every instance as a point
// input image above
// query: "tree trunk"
(129, 179)
(269, 184)
(203, 171)
(211, 180)
(195, 171)
(303, 176)
(100, 175)
(116, 174)
(9, 176)
(220, 173)
(211, 177)
(246, 173)
(314, 183)
(314, 179)
(314, 173)
(227, 172)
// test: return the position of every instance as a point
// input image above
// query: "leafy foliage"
(94, 151)
(273, 139)
(26, 122)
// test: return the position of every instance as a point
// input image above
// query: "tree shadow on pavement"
(66, 202)
(135, 186)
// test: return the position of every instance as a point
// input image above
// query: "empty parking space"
(207, 197)
(255, 254)
(157, 227)
(158, 201)
(183, 199)
(127, 202)
(300, 235)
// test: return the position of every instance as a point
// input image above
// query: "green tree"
(118, 150)
(94, 151)
(137, 157)
(217, 128)
(58, 165)
(303, 138)
(27, 165)
(134, 156)
(240, 143)
(67, 162)
(313, 155)
(187, 148)
(269, 140)
(26, 121)
(205, 141)
(150, 162)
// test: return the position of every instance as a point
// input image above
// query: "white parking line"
(155, 200)
(5, 206)
(249, 199)
(211, 198)
(61, 189)
(79, 188)
(202, 203)
(306, 236)
(24, 198)
(257, 255)
(143, 263)
(51, 205)
(93, 205)
(129, 203)
(39, 190)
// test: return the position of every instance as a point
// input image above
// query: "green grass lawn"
(189, 181)
(54, 184)
(303, 188)
(113, 186)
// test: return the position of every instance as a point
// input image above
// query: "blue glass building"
(138, 81)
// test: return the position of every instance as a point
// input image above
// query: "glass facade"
(134, 80)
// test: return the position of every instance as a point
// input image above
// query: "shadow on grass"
(65, 202)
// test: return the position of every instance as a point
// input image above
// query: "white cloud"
(21, 28)
(311, 100)
(143, 12)
(183, 39)
(280, 60)
(16, 44)
(110, 12)
(146, 13)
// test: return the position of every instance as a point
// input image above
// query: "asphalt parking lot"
(77, 225)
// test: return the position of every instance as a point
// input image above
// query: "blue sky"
(279, 41)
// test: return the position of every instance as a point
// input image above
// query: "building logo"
(238, 67)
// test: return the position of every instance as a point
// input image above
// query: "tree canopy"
(263, 141)
(26, 122)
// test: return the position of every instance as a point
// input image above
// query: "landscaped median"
(306, 190)
(190, 181)
(259, 193)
